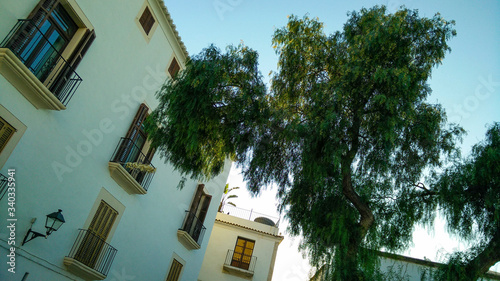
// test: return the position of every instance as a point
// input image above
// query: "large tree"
(468, 194)
(345, 132)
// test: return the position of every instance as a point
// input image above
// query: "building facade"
(78, 78)
(401, 268)
(243, 246)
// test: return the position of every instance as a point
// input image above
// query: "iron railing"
(130, 156)
(248, 214)
(241, 260)
(194, 227)
(92, 251)
(38, 54)
(3, 185)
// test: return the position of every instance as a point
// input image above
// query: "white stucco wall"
(411, 269)
(120, 71)
(223, 238)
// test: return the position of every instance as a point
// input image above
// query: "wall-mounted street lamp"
(52, 223)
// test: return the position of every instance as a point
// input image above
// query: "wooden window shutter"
(195, 206)
(6, 132)
(197, 198)
(173, 68)
(103, 220)
(136, 125)
(83, 46)
(204, 208)
(175, 271)
(94, 240)
(74, 61)
(147, 20)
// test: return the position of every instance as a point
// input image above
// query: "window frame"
(49, 91)
(114, 203)
(171, 69)
(180, 260)
(14, 138)
(239, 263)
(170, 61)
(99, 229)
(54, 27)
(4, 125)
(148, 35)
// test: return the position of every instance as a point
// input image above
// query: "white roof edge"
(172, 25)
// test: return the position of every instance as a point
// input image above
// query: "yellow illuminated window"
(243, 253)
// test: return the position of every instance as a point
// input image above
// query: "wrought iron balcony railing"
(194, 227)
(131, 158)
(92, 251)
(40, 56)
(241, 261)
(3, 185)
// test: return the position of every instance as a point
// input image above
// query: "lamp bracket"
(34, 235)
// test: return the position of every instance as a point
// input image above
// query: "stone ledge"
(26, 82)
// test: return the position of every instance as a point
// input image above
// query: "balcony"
(3, 186)
(30, 62)
(240, 264)
(192, 231)
(90, 257)
(130, 168)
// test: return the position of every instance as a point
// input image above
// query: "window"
(175, 271)
(192, 231)
(134, 154)
(197, 213)
(243, 251)
(200, 203)
(91, 256)
(6, 132)
(94, 239)
(11, 131)
(53, 23)
(173, 68)
(51, 44)
(146, 21)
(137, 134)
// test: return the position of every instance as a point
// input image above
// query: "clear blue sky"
(467, 84)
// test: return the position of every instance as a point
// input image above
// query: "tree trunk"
(358, 233)
(484, 260)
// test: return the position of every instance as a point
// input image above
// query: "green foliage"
(226, 197)
(468, 194)
(209, 111)
(345, 132)
(353, 121)
(469, 191)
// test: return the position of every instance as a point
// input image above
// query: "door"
(96, 235)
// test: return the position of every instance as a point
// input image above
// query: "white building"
(242, 246)
(402, 268)
(77, 79)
